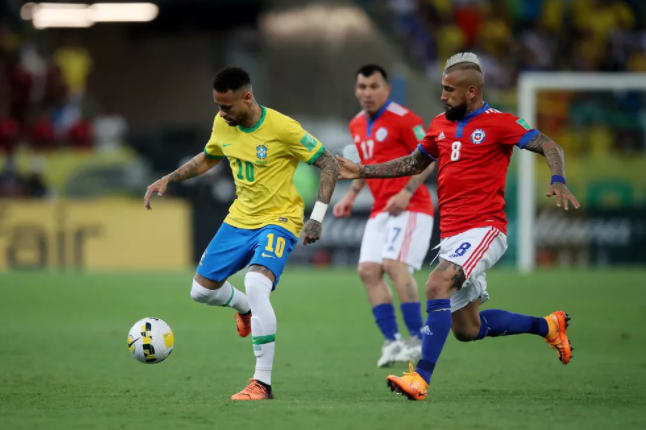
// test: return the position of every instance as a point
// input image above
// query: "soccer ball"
(150, 340)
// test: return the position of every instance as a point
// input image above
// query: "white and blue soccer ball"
(151, 340)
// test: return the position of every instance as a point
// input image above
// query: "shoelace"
(254, 388)
(411, 370)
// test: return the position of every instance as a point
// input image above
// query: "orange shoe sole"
(393, 383)
(565, 355)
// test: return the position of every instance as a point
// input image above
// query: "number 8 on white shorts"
(475, 250)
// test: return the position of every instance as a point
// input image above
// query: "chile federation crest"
(478, 136)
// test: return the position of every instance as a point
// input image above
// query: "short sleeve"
(303, 145)
(412, 132)
(515, 131)
(212, 149)
(428, 145)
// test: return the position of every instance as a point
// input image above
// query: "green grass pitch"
(64, 363)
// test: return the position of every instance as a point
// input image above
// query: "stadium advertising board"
(102, 234)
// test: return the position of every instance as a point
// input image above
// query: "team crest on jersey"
(478, 136)
(261, 152)
(357, 139)
(381, 134)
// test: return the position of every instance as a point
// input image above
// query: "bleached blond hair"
(463, 57)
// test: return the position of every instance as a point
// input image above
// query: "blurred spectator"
(516, 35)
(13, 184)
(41, 132)
(80, 134)
(75, 64)
(9, 130)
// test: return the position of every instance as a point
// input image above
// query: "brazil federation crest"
(261, 152)
(478, 136)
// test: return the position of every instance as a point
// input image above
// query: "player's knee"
(395, 269)
(258, 287)
(439, 285)
(199, 293)
(465, 334)
(369, 273)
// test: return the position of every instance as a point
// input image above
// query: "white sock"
(226, 295)
(263, 324)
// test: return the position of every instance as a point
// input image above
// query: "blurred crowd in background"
(59, 136)
(43, 87)
(45, 109)
(512, 36)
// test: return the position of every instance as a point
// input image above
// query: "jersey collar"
(372, 120)
(476, 112)
(466, 119)
(256, 125)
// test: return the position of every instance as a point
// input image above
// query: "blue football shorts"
(232, 248)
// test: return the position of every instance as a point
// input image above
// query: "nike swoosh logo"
(266, 255)
(227, 144)
(131, 343)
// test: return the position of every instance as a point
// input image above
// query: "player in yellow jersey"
(263, 148)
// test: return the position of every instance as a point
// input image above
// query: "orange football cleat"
(558, 322)
(243, 324)
(254, 391)
(411, 384)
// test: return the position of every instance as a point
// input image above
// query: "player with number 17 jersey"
(395, 132)
(473, 155)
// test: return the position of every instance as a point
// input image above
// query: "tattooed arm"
(194, 167)
(555, 158)
(404, 166)
(329, 173)
(327, 181)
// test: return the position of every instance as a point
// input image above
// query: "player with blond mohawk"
(472, 144)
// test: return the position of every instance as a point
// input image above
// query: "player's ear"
(472, 92)
(247, 96)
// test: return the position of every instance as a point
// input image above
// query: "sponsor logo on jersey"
(381, 134)
(523, 123)
(441, 136)
(282, 219)
(308, 142)
(419, 132)
(261, 152)
(478, 136)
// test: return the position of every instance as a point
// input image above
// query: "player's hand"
(343, 208)
(563, 196)
(311, 231)
(399, 202)
(159, 186)
(347, 169)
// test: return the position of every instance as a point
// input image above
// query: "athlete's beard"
(456, 113)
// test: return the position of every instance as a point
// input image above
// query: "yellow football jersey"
(263, 160)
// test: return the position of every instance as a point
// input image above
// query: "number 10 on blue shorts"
(232, 248)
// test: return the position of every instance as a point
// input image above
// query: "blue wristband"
(558, 178)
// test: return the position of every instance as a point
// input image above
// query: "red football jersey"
(473, 156)
(393, 132)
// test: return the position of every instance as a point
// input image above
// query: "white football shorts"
(405, 237)
(474, 250)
